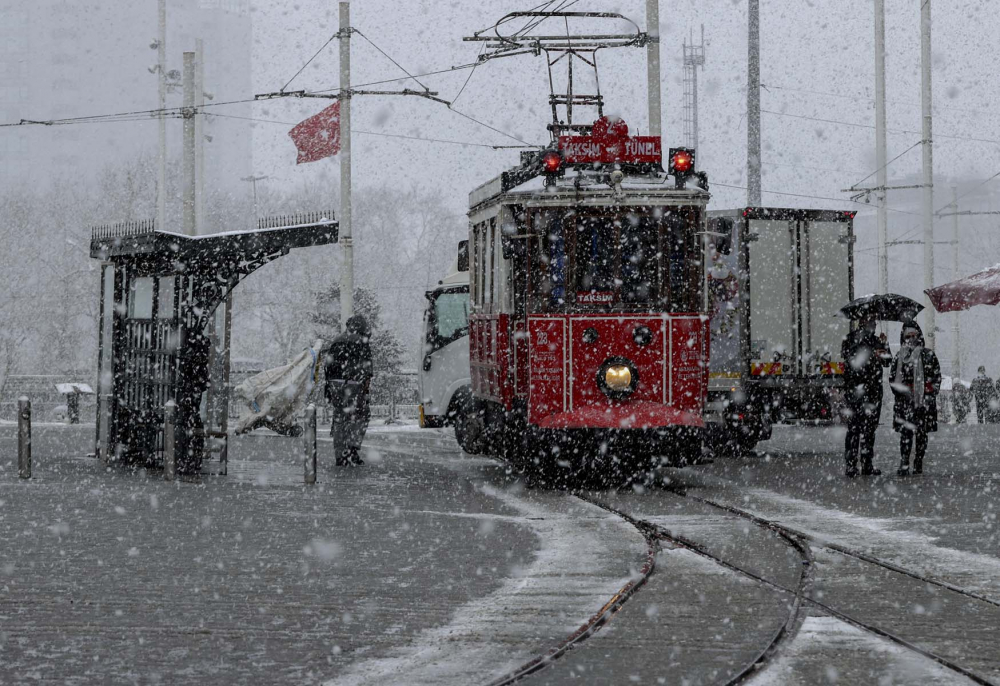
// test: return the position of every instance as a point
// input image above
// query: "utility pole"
(956, 369)
(928, 165)
(880, 149)
(253, 180)
(161, 176)
(199, 138)
(345, 239)
(653, 67)
(753, 104)
(188, 161)
(694, 57)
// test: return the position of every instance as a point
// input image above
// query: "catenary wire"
(379, 133)
(389, 57)
(309, 61)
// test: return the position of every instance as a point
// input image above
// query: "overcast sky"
(823, 47)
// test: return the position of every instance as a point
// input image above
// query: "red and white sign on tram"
(608, 143)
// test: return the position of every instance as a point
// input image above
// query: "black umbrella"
(888, 306)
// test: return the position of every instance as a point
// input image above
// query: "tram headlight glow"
(618, 378)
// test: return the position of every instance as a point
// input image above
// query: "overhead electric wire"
(461, 90)
(887, 164)
(812, 197)
(379, 133)
(872, 126)
(871, 99)
(309, 61)
(953, 202)
(388, 57)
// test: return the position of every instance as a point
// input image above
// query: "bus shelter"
(164, 322)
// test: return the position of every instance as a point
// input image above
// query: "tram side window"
(682, 262)
(548, 251)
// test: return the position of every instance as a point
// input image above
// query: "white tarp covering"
(281, 392)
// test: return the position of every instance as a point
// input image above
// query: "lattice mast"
(694, 57)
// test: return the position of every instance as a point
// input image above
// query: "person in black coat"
(916, 381)
(349, 372)
(864, 357)
(982, 390)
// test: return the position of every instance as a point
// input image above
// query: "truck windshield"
(640, 257)
(449, 317)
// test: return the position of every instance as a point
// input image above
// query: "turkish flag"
(982, 288)
(318, 136)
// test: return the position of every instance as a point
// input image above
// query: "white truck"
(443, 377)
(775, 281)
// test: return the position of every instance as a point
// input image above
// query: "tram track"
(800, 542)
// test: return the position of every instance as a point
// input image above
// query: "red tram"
(588, 329)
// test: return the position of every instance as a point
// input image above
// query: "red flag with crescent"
(318, 136)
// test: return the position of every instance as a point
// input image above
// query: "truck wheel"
(470, 422)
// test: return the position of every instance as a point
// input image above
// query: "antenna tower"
(694, 57)
(563, 50)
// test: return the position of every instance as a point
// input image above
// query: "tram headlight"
(618, 377)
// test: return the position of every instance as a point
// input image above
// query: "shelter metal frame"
(160, 292)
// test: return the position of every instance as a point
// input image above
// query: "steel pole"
(170, 441)
(880, 148)
(24, 438)
(189, 156)
(928, 166)
(309, 439)
(345, 239)
(956, 370)
(161, 176)
(753, 104)
(653, 67)
(199, 138)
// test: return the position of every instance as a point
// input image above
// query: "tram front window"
(645, 258)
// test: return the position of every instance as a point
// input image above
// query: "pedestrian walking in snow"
(961, 400)
(864, 357)
(349, 374)
(916, 381)
(984, 393)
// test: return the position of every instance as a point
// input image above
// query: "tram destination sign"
(611, 149)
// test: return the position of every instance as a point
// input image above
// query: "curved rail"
(843, 616)
(843, 550)
(795, 617)
(592, 625)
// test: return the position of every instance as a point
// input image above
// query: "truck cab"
(443, 375)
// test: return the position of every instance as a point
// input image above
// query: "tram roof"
(585, 187)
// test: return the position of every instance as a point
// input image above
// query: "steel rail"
(602, 617)
(843, 616)
(843, 550)
(795, 617)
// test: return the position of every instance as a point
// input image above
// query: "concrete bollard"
(24, 438)
(309, 437)
(170, 441)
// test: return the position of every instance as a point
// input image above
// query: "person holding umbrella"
(864, 357)
(916, 381)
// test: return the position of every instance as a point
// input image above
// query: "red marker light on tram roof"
(682, 161)
(551, 162)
